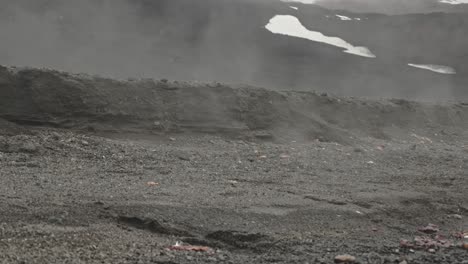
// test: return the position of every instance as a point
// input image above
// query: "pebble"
(28, 147)
(55, 135)
(456, 216)
(345, 259)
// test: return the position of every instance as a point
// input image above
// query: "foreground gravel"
(85, 197)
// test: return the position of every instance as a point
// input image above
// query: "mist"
(121, 39)
(225, 41)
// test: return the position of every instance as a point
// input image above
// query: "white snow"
(343, 17)
(346, 18)
(454, 2)
(301, 1)
(451, 2)
(294, 7)
(435, 68)
(291, 26)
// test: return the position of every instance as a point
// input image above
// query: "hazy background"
(391, 7)
(225, 40)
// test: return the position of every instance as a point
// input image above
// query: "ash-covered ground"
(95, 170)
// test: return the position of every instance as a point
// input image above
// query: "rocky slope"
(33, 96)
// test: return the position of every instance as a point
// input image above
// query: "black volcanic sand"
(256, 175)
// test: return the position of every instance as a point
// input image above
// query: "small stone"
(151, 183)
(184, 156)
(263, 135)
(28, 147)
(455, 216)
(345, 259)
(431, 250)
(55, 136)
(404, 262)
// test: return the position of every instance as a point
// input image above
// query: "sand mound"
(51, 98)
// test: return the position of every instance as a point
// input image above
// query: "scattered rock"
(24, 147)
(358, 150)
(345, 259)
(263, 135)
(55, 136)
(183, 156)
(179, 247)
(426, 243)
(455, 216)
(151, 183)
(429, 229)
(381, 147)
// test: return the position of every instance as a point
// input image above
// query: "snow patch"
(294, 7)
(291, 26)
(343, 17)
(451, 2)
(454, 2)
(301, 1)
(435, 68)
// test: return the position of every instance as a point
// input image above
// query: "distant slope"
(393, 7)
(226, 41)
